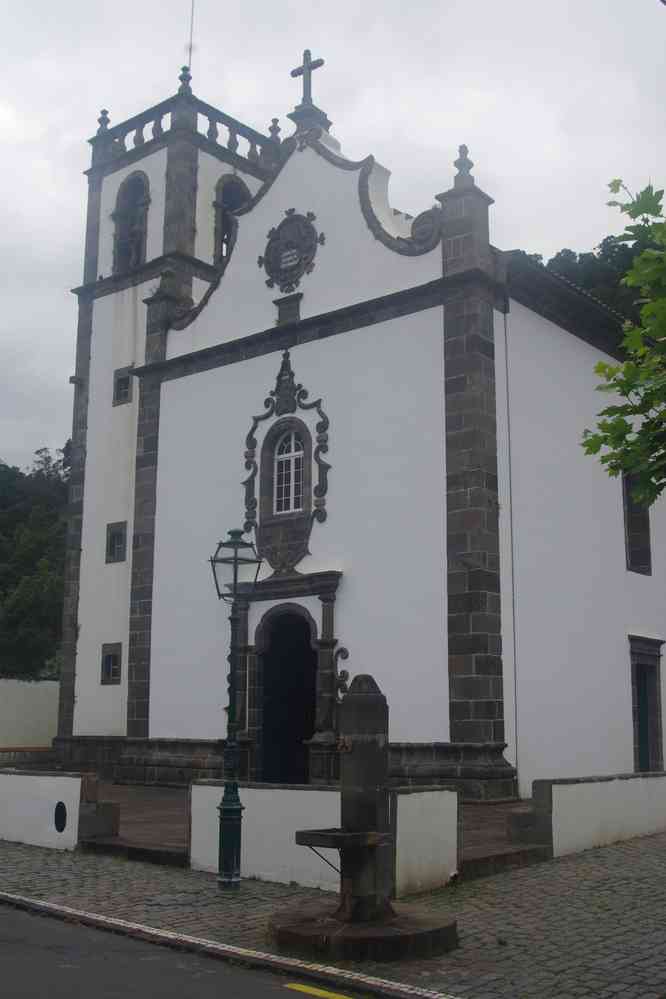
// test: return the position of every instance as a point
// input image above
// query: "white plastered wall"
(28, 813)
(117, 342)
(28, 712)
(382, 388)
(575, 601)
(598, 813)
(154, 166)
(351, 267)
(209, 173)
(269, 850)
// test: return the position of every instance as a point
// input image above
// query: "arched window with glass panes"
(288, 473)
(285, 491)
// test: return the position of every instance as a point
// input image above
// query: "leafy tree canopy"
(630, 436)
(32, 555)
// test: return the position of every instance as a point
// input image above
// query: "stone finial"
(185, 79)
(286, 389)
(464, 166)
(103, 121)
(274, 130)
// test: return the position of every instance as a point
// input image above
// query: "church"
(390, 408)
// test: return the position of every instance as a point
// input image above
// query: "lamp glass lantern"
(239, 556)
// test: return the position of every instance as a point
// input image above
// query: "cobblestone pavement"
(592, 925)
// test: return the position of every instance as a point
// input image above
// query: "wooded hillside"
(32, 555)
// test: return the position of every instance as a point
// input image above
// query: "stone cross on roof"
(306, 72)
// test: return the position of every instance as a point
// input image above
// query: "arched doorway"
(289, 668)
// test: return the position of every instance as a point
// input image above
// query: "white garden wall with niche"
(118, 341)
(381, 388)
(575, 601)
(351, 267)
(28, 812)
(28, 712)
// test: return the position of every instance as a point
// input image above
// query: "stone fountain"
(363, 922)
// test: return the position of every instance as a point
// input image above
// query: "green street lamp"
(237, 558)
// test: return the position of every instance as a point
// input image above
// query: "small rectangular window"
(636, 530)
(111, 662)
(116, 542)
(122, 386)
(457, 247)
(646, 703)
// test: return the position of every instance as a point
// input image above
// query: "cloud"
(552, 99)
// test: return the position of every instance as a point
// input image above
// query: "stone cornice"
(351, 317)
(181, 262)
(563, 303)
(221, 153)
(318, 584)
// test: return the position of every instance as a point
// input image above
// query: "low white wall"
(597, 812)
(271, 817)
(426, 822)
(426, 839)
(28, 712)
(28, 809)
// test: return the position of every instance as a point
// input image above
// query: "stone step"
(164, 774)
(483, 861)
(117, 846)
(489, 840)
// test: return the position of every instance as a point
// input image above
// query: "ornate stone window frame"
(224, 214)
(282, 538)
(118, 216)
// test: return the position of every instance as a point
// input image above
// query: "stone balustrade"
(213, 126)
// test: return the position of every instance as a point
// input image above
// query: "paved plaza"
(591, 925)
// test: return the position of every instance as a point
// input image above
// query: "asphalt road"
(44, 958)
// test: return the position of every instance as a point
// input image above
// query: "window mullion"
(292, 480)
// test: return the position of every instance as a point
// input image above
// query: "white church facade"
(391, 408)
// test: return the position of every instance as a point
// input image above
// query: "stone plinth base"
(312, 931)
(478, 769)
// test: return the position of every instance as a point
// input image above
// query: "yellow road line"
(312, 991)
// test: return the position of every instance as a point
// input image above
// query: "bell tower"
(152, 226)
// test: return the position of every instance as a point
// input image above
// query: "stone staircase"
(153, 826)
(489, 840)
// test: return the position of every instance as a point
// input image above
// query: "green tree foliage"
(630, 436)
(601, 271)
(32, 556)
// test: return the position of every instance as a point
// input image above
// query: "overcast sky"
(553, 98)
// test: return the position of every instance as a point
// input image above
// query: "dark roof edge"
(562, 302)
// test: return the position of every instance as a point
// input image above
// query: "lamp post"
(239, 556)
